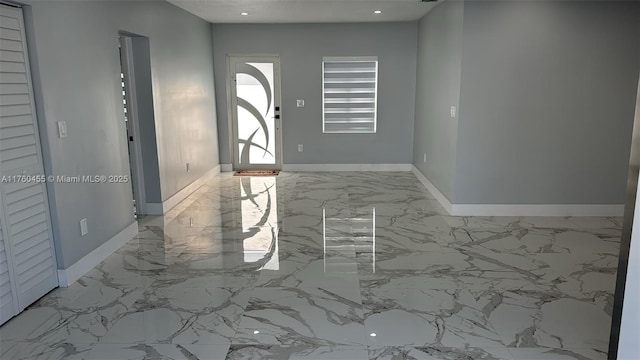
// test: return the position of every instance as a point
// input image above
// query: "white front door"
(255, 112)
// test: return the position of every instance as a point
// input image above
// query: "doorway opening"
(139, 122)
(130, 121)
(254, 103)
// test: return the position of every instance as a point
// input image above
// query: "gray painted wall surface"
(74, 48)
(547, 102)
(146, 120)
(301, 48)
(437, 89)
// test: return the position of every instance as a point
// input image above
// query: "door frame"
(135, 151)
(232, 110)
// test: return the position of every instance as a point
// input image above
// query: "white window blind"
(349, 94)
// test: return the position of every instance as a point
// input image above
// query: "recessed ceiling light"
(244, 13)
(378, 12)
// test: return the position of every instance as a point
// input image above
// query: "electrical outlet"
(84, 230)
(188, 168)
(425, 158)
(300, 103)
(453, 111)
(300, 148)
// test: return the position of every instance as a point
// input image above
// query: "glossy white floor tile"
(324, 316)
(437, 353)
(146, 351)
(333, 266)
(299, 352)
(419, 317)
(42, 351)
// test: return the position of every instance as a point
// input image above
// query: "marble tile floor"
(344, 266)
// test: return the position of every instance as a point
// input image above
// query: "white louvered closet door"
(27, 258)
(8, 302)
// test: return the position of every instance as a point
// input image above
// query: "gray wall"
(74, 48)
(437, 89)
(547, 102)
(301, 49)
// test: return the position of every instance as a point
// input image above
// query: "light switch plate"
(62, 129)
(300, 103)
(84, 230)
(300, 148)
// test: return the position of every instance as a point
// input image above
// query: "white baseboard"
(346, 167)
(518, 209)
(446, 204)
(68, 276)
(176, 198)
(226, 167)
(537, 210)
(154, 209)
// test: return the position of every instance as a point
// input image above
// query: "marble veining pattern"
(342, 266)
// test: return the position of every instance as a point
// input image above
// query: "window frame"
(368, 59)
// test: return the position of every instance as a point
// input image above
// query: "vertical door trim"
(232, 108)
(8, 250)
(628, 229)
(36, 132)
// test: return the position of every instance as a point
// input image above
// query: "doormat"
(256, 173)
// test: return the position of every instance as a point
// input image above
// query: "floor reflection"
(259, 219)
(345, 237)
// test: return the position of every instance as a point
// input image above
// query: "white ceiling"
(305, 11)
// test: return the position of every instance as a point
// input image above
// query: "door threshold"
(256, 173)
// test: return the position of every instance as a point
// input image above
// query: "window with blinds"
(349, 94)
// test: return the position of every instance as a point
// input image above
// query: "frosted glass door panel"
(256, 125)
(255, 110)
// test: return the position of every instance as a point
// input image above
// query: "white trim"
(154, 209)
(350, 58)
(518, 209)
(176, 198)
(226, 167)
(537, 210)
(74, 272)
(446, 204)
(230, 105)
(346, 167)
